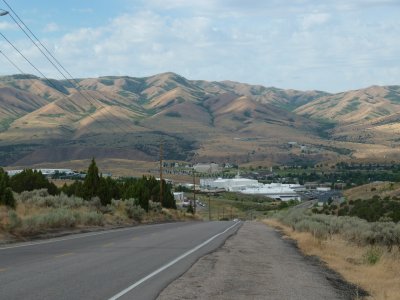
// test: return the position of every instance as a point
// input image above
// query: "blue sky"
(300, 44)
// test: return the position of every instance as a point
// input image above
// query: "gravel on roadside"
(256, 263)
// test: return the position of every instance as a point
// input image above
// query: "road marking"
(108, 244)
(131, 287)
(64, 254)
(3, 269)
(75, 237)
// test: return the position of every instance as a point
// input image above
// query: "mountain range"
(119, 117)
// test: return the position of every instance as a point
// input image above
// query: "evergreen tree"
(29, 180)
(8, 198)
(92, 181)
(6, 195)
(107, 190)
(168, 200)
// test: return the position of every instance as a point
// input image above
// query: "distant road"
(129, 263)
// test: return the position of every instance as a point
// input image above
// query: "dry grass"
(220, 209)
(367, 191)
(381, 280)
(37, 214)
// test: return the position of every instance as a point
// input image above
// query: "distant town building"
(207, 168)
(46, 172)
(179, 196)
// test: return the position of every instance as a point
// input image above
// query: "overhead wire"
(64, 95)
(23, 73)
(11, 62)
(72, 81)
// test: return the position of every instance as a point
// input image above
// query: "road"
(130, 263)
(258, 264)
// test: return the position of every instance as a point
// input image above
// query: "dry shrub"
(381, 279)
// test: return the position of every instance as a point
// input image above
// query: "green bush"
(6, 194)
(58, 218)
(13, 221)
(353, 229)
(41, 198)
(29, 180)
(372, 255)
(134, 210)
(155, 207)
(91, 218)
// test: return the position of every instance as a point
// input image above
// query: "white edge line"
(154, 273)
(82, 235)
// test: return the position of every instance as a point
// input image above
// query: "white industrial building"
(284, 192)
(46, 172)
(231, 185)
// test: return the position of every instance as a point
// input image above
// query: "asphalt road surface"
(258, 264)
(130, 263)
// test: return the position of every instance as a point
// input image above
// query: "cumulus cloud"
(303, 44)
(83, 10)
(51, 27)
(7, 25)
(314, 19)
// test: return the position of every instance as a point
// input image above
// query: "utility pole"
(194, 191)
(161, 172)
(209, 207)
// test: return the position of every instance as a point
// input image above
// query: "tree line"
(143, 189)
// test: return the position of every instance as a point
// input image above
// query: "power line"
(75, 84)
(55, 87)
(44, 76)
(32, 65)
(20, 70)
(62, 74)
(37, 39)
(11, 62)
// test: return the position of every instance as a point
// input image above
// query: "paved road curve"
(131, 263)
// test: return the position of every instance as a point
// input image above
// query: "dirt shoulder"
(257, 263)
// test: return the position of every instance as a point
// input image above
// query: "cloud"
(51, 27)
(83, 10)
(7, 25)
(314, 19)
(303, 44)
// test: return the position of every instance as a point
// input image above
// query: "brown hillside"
(120, 117)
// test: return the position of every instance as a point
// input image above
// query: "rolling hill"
(126, 118)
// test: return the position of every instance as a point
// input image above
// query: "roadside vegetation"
(372, 210)
(341, 175)
(31, 205)
(365, 253)
(378, 201)
(229, 205)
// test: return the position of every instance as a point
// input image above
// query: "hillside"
(355, 106)
(367, 115)
(126, 118)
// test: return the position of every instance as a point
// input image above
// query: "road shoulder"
(257, 263)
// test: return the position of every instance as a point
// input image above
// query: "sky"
(330, 45)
